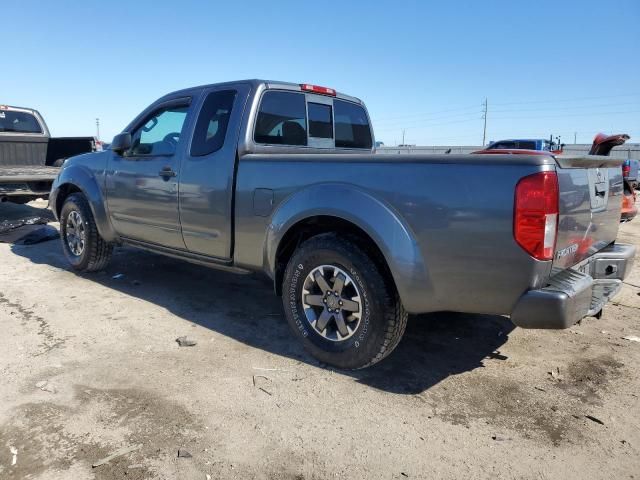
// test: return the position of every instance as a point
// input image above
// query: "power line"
(564, 100)
(422, 114)
(526, 117)
(436, 115)
(576, 107)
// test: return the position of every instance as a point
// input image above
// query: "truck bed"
(26, 181)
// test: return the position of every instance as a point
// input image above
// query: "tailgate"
(22, 150)
(590, 201)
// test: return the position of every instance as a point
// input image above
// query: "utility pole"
(98, 128)
(575, 136)
(484, 117)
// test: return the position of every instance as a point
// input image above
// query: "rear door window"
(282, 119)
(352, 125)
(19, 122)
(211, 127)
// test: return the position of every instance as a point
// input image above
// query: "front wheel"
(83, 246)
(340, 304)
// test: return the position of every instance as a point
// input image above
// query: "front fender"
(380, 221)
(80, 177)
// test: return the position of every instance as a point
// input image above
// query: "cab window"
(352, 125)
(19, 122)
(160, 134)
(211, 127)
(320, 120)
(282, 119)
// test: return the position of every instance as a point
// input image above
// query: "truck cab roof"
(267, 84)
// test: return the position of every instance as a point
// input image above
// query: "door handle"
(167, 172)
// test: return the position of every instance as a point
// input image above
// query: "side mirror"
(121, 143)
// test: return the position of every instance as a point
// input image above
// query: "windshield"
(20, 122)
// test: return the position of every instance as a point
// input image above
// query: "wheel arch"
(347, 210)
(76, 179)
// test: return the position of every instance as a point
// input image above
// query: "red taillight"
(626, 170)
(535, 221)
(316, 89)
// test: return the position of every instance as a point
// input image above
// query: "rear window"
(20, 122)
(352, 126)
(527, 145)
(503, 145)
(211, 127)
(282, 119)
(320, 120)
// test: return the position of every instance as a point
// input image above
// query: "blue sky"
(426, 67)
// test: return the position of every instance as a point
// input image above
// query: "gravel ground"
(89, 365)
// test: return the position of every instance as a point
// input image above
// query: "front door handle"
(167, 172)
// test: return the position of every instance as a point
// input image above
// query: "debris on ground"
(594, 419)
(8, 225)
(27, 233)
(540, 388)
(255, 384)
(118, 276)
(14, 453)
(136, 465)
(555, 373)
(631, 338)
(182, 453)
(45, 386)
(500, 438)
(497, 356)
(116, 454)
(185, 341)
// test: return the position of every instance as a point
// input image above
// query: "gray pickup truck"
(283, 179)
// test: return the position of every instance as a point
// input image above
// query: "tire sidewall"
(364, 344)
(73, 204)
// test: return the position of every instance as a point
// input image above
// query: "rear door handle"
(167, 172)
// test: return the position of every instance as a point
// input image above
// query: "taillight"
(626, 169)
(535, 222)
(317, 89)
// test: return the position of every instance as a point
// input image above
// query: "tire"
(382, 319)
(95, 252)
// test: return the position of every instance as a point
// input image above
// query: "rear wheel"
(340, 304)
(83, 246)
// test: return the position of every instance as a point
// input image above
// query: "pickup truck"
(282, 178)
(29, 157)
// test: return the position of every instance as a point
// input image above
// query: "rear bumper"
(576, 293)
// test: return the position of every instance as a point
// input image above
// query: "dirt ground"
(89, 365)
